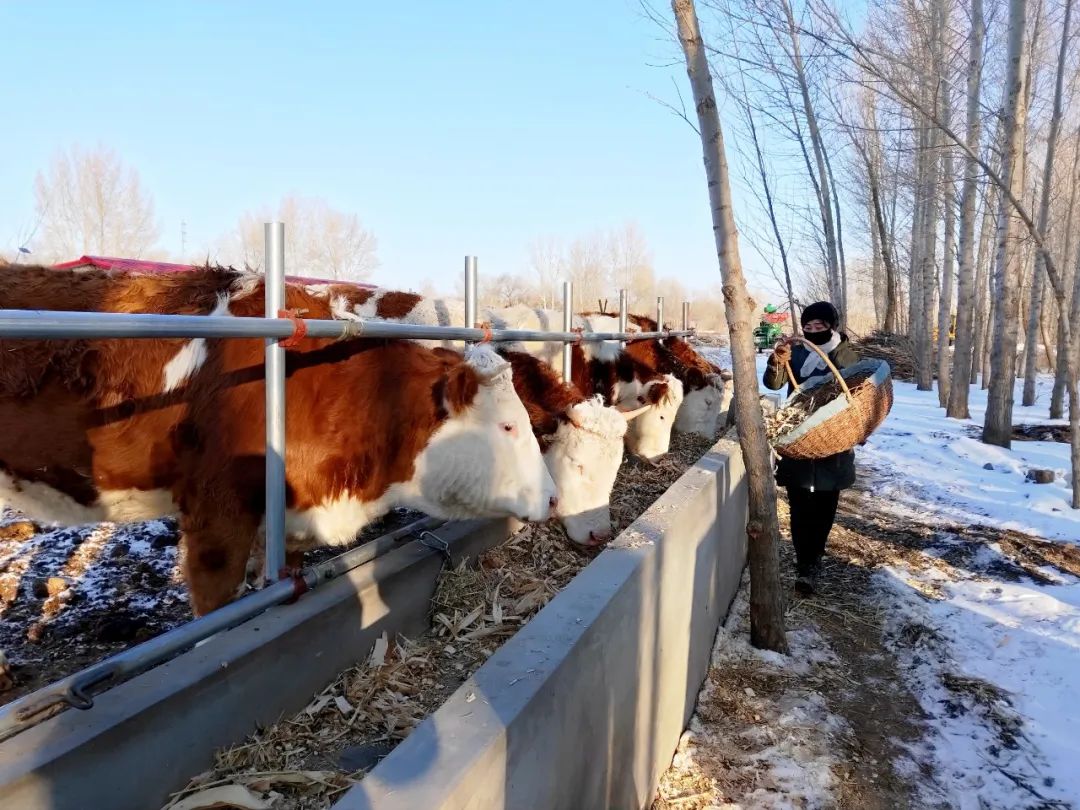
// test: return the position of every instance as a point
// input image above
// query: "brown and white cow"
(108, 430)
(582, 443)
(598, 367)
(706, 392)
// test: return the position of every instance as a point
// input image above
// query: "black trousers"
(812, 516)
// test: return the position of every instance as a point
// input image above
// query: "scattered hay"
(358, 719)
(1042, 433)
(988, 699)
(803, 405)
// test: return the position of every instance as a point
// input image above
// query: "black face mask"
(819, 338)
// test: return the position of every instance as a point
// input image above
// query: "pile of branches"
(896, 350)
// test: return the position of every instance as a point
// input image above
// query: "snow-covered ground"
(1021, 636)
(936, 467)
(758, 760)
(990, 653)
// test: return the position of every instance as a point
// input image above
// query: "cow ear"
(657, 393)
(460, 387)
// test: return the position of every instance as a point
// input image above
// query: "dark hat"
(821, 311)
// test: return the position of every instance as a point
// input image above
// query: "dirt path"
(839, 724)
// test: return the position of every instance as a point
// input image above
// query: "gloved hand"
(781, 352)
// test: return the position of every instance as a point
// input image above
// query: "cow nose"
(553, 502)
(598, 538)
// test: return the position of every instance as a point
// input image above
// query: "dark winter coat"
(834, 472)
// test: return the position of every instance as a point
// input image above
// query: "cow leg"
(216, 559)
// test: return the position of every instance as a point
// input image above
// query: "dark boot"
(806, 579)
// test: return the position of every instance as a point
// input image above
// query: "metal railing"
(49, 324)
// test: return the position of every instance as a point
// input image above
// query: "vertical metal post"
(567, 325)
(622, 315)
(470, 292)
(660, 313)
(274, 264)
(686, 316)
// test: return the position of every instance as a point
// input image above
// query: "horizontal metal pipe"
(39, 324)
(30, 710)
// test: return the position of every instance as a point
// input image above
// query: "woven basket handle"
(828, 362)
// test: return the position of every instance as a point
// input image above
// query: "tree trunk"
(1061, 372)
(924, 345)
(843, 302)
(984, 281)
(968, 284)
(763, 528)
(997, 429)
(947, 270)
(927, 267)
(877, 274)
(916, 321)
(1072, 330)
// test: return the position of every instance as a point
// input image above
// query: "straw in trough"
(306, 761)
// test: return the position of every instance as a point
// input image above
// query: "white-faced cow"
(582, 443)
(108, 429)
(598, 367)
(706, 391)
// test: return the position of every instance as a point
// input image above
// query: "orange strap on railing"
(299, 328)
(579, 331)
(487, 331)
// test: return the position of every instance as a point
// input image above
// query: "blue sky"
(450, 128)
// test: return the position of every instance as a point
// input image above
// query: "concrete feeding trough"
(144, 738)
(584, 706)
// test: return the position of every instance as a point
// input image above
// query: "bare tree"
(585, 264)
(89, 202)
(967, 289)
(1061, 371)
(997, 429)
(507, 289)
(825, 191)
(763, 529)
(947, 270)
(320, 241)
(630, 264)
(767, 195)
(546, 263)
(984, 281)
(1031, 364)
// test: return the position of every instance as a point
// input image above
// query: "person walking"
(813, 485)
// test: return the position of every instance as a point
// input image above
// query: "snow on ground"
(994, 667)
(737, 746)
(1022, 637)
(991, 654)
(936, 467)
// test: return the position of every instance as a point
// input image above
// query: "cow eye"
(508, 427)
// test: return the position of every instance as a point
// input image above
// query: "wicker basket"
(845, 421)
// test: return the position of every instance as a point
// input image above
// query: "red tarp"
(140, 266)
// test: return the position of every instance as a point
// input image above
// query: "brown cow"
(598, 367)
(122, 430)
(706, 393)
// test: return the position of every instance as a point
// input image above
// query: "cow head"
(658, 401)
(583, 457)
(483, 461)
(701, 404)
